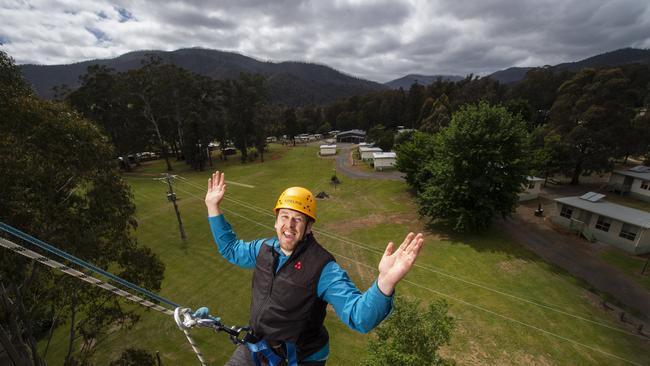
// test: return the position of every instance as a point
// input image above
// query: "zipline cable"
(467, 303)
(105, 285)
(52, 249)
(343, 239)
(80, 275)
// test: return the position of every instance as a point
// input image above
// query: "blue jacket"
(360, 311)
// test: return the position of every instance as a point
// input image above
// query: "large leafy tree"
(244, 97)
(412, 336)
(382, 137)
(539, 87)
(593, 114)
(412, 155)
(290, 124)
(266, 120)
(104, 99)
(477, 169)
(59, 182)
(413, 104)
(150, 96)
(439, 116)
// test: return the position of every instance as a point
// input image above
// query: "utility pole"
(171, 196)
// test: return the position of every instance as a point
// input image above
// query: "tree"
(411, 336)
(148, 89)
(382, 137)
(412, 155)
(11, 79)
(549, 155)
(244, 97)
(413, 104)
(593, 114)
(439, 117)
(478, 167)
(103, 98)
(76, 200)
(135, 357)
(265, 122)
(290, 124)
(539, 87)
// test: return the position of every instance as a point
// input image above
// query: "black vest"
(285, 306)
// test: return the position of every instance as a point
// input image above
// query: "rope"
(80, 275)
(184, 322)
(52, 249)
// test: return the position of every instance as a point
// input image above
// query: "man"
(295, 278)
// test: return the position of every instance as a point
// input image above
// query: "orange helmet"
(297, 199)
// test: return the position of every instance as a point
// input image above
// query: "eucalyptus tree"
(59, 182)
(244, 96)
(478, 166)
(593, 114)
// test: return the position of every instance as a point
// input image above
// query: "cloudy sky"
(375, 39)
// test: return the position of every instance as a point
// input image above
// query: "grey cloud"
(375, 39)
(186, 16)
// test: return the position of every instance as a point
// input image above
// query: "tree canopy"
(476, 169)
(411, 336)
(60, 183)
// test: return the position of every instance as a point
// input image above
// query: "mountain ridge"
(292, 83)
(406, 81)
(619, 57)
(311, 83)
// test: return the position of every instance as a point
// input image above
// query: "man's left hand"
(395, 264)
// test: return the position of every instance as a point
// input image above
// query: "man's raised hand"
(395, 264)
(216, 191)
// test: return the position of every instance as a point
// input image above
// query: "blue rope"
(45, 246)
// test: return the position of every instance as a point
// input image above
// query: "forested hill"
(408, 80)
(290, 83)
(624, 56)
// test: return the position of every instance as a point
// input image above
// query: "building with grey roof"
(598, 220)
(354, 136)
(634, 182)
(383, 160)
(530, 189)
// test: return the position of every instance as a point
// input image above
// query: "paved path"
(344, 164)
(567, 253)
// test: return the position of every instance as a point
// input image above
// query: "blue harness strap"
(263, 348)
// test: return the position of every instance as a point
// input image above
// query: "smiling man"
(295, 278)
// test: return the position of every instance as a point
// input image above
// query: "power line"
(456, 299)
(554, 308)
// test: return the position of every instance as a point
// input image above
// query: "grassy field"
(510, 307)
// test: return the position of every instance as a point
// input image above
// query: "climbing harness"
(185, 320)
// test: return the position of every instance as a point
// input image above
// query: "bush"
(411, 337)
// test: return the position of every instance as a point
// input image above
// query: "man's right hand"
(216, 191)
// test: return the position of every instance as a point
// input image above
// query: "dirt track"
(574, 256)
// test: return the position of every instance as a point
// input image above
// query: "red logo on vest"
(297, 265)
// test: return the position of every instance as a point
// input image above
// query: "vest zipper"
(268, 294)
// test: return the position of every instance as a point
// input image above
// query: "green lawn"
(357, 221)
